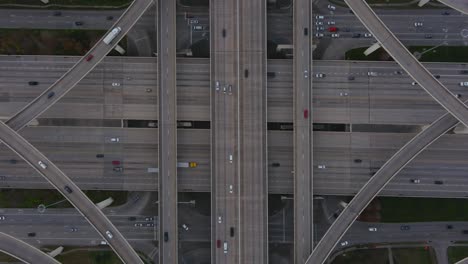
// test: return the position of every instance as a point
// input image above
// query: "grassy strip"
(456, 254)
(89, 257)
(362, 256)
(33, 3)
(413, 256)
(397, 210)
(440, 54)
(49, 41)
(22, 198)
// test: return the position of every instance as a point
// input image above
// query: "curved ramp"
(23, 251)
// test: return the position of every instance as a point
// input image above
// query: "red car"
(90, 57)
(115, 162)
(306, 113)
(218, 243)
(332, 29)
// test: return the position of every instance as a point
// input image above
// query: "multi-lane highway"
(70, 191)
(303, 131)
(23, 251)
(252, 123)
(168, 236)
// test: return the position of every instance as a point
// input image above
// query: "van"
(225, 247)
(42, 164)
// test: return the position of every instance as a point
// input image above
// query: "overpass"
(23, 251)
(460, 5)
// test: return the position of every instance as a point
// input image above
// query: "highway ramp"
(23, 251)
(460, 5)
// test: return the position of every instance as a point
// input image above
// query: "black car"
(437, 76)
(57, 13)
(33, 83)
(131, 218)
(246, 73)
(68, 189)
(109, 17)
(438, 182)
(446, 13)
(99, 155)
(351, 78)
(166, 237)
(224, 33)
(78, 23)
(405, 227)
(32, 234)
(50, 95)
(231, 231)
(357, 160)
(13, 161)
(449, 226)
(428, 36)
(306, 31)
(275, 164)
(465, 232)
(271, 74)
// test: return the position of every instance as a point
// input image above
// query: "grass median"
(456, 254)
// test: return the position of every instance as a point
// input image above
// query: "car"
(428, 36)
(114, 139)
(220, 220)
(31, 234)
(306, 31)
(343, 204)
(319, 17)
(357, 160)
(103, 242)
(218, 243)
(198, 28)
(116, 162)
(347, 30)
(418, 24)
(2, 217)
(109, 234)
(319, 23)
(224, 33)
(320, 28)
(398, 72)
(351, 78)
(319, 35)
(193, 21)
(217, 86)
(405, 227)
(372, 229)
(117, 169)
(230, 89)
(335, 35)
(356, 35)
(152, 124)
(225, 247)
(50, 95)
(438, 182)
(109, 17)
(149, 90)
(367, 35)
(331, 22)
(271, 74)
(231, 231)
(42, 164)
(33, 83)
(185, 227)
(230, 158)
(414, 83)
(78, 23)
(89, 57)
(132, 218)
(149, 218)
(114, 84)
(321, 166)
(275, 164)
(13, 161)
(331, 7)
(138, 224)
(73, 229)
(446, 13)
(306, 113)
(166, 236)
(344, 243)
(458, 95)
(224, 88)
(343, 94)
(371, 73)
(57, 13)
(449, 226)
(332, 29)
(149, 224)
(231, 190)
(319, 75)
(438, 76)
(415, 181)
(68, 189)
(463, 71)
(463, 83)
(99, 155)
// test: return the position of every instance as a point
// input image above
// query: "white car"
(318, 17)
(321, 167)
(414, 83)
(2, 217)
(331, 23)
(319, 35)
(373, 229)
(42, 164)
(193, 21)
(367, 35)
(225, 247)
(331, 7)
(343, 94)
(344, 243)
(319, 23)
(109, 234)
(463, 83)
(217, 85)
(371, 73)
(320, 28)
(115, 139)
(306, 74)
(184, 226)
(230, 189)
(319, 75)
(418, 24)
(220, 220)
(114, 84)
(335, 35)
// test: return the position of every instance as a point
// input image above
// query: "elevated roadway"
(168, 235)
(251, 92)
(70, 191)
(460, 5)
(23, 251)
(303, 131)
(408, 62)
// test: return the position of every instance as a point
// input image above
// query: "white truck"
(112, 35)
(187, 164)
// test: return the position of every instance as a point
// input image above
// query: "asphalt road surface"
(23, 251)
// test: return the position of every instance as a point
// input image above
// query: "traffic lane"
(70, 191)
(79, 70)
(23, 251)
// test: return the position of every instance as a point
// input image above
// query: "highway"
(225, 130)
(70, 191)
(23, 251)
(408, 62)
(167, 124)
(459, 5)
(67, 81)
(303, 131)
(252, 124)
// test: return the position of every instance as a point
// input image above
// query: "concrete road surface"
(23, 251)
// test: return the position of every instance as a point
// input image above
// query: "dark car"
(109, 17)
(166, 237)
(118, 169)
(351, 78)
(306, 31)
(437, 76)
(405, 227)
(32, 234)
(90, 57)
(224, 32)
(446, 13)
(271, 74)
(68, 189)
(356, 35)
(465, 232)
(428, 36)
(131, 218)
(357, 160)
(13, 161)
(275, 164)
(78, 23)
(50, 95)
(438, 182)
(57, 13)
(246, 73)
(449, 226)
(33, 83)
(231, 231)
(99, 155)
(464, 71)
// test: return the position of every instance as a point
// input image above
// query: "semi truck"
(112, 35)
(187, 164)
